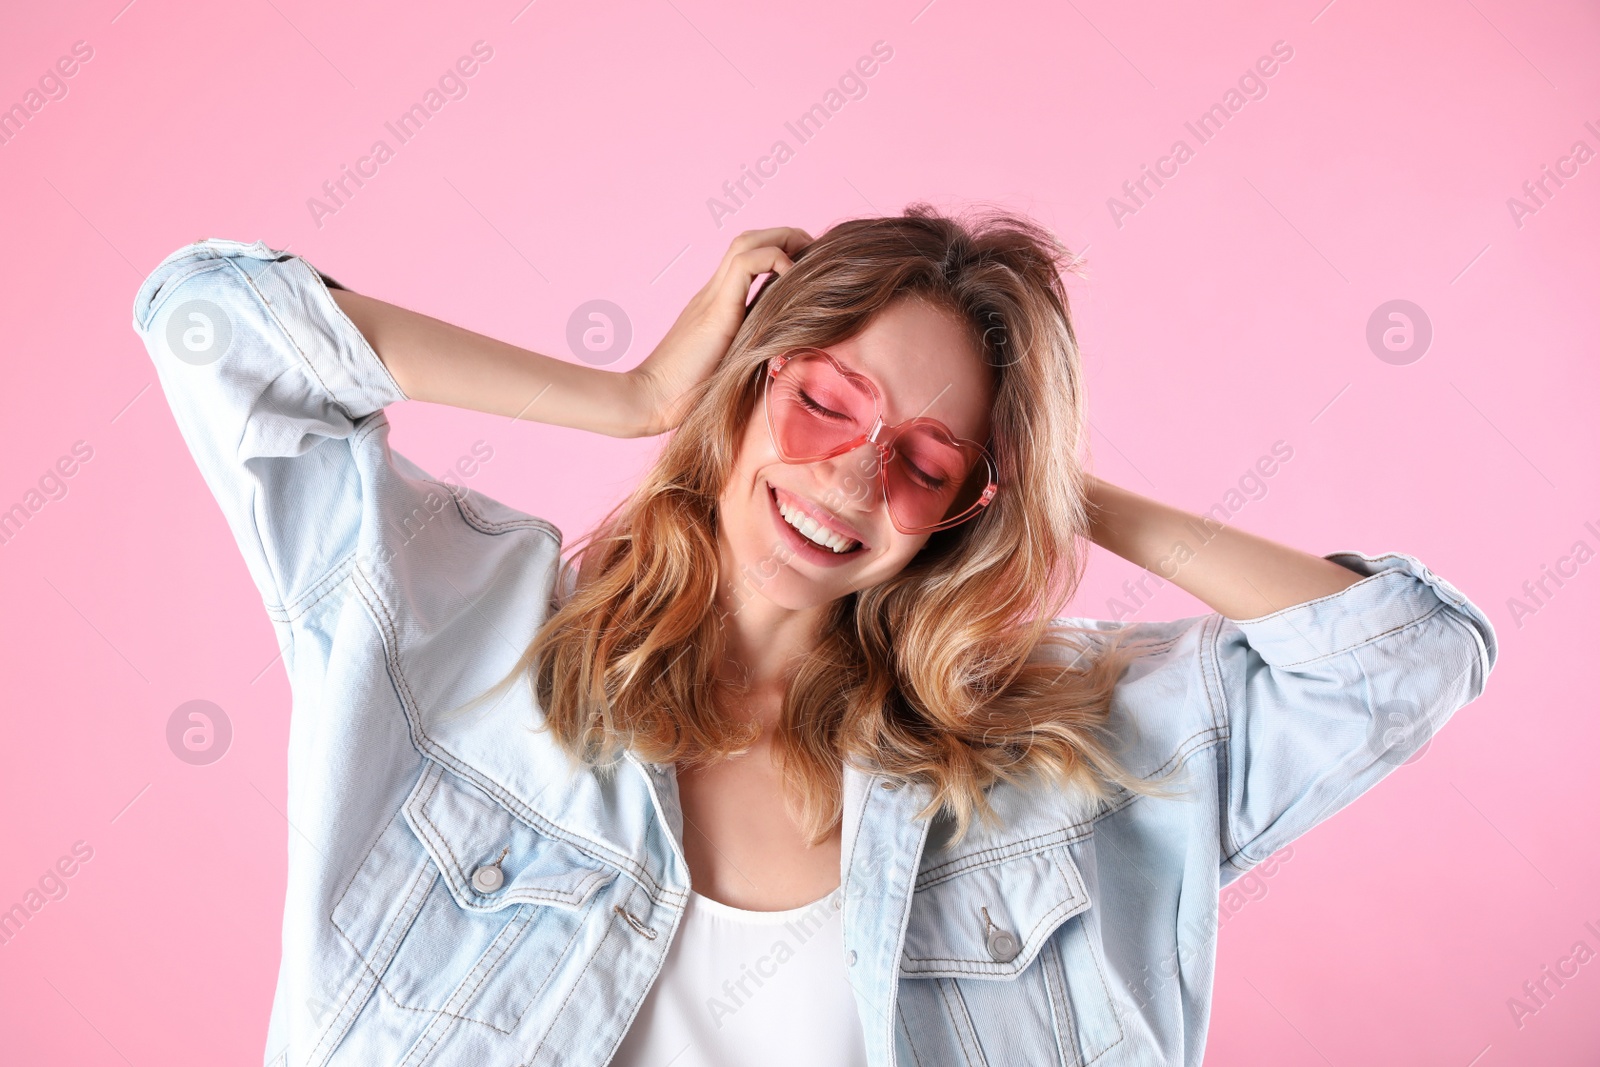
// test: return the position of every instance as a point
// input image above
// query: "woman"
(797, 765)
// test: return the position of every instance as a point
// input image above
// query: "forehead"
(924, 363)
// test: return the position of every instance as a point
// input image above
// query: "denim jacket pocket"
(460, 913)
(993, 940)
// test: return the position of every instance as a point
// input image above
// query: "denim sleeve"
(1322, 700)
(276, 393)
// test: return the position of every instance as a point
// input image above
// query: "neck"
(764, 644)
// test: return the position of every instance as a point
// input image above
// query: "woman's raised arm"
(1237, 574)
(444, 364)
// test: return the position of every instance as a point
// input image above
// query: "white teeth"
(814, 530)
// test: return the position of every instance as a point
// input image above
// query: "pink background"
(1226, 313)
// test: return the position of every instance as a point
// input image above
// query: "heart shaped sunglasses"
(817, 408)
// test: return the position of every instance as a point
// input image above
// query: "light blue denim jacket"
(459, 894)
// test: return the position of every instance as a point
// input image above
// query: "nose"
(852, 478)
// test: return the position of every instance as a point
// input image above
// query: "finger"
(788, 238)
(748, 265)
(742, 243)
(783, 239)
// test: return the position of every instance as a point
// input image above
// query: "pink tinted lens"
(815, 409)
(931, 478)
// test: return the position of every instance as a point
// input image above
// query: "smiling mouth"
(812, 532)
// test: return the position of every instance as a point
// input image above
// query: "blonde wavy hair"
(931, 675)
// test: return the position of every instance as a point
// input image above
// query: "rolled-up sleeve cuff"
(296, 297)
(335, 351)
(1397, 591)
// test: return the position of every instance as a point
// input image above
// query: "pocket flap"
(488, 857)
(988, 919)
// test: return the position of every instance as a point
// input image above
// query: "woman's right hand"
(701, 336)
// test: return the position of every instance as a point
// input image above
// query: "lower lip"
(802, 545)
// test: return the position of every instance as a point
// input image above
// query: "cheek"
(901, 551)
(743, 506)
(747, 466)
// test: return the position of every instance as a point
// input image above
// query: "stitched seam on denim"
(996, 853)
(305, 361)
(1083, 827)
(1418, 621)
(1160, 647)
(316, 279)
(1180, 755)
(960, 1021)
(366, 964)
(565, 950)
(905, 1028)
(314, 594)
(368, 855)
(203, 264)
(395, 1001)
(420, 808)
(1105, 989)
(1238, 850)
(337, 573)
(1055, 977)
(932, 876)
(394, 935)
(855, 842)
(1055, 990)
(445, 1020)
(266, 306)
(1217, 701)
(330, 1032)
(577, 929)
(892, 992)
(474, 518)
(1133, 798)
(576, 984)
(1390, 572)
(1004, 969)
(424, 744)
(1479, 647)
(1052, 915)
(487, 966)
(458, 870)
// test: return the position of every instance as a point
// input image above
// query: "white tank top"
(742, 987)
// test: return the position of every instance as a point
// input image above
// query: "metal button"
(850, 958)
(1003, 945)
(487, 879)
